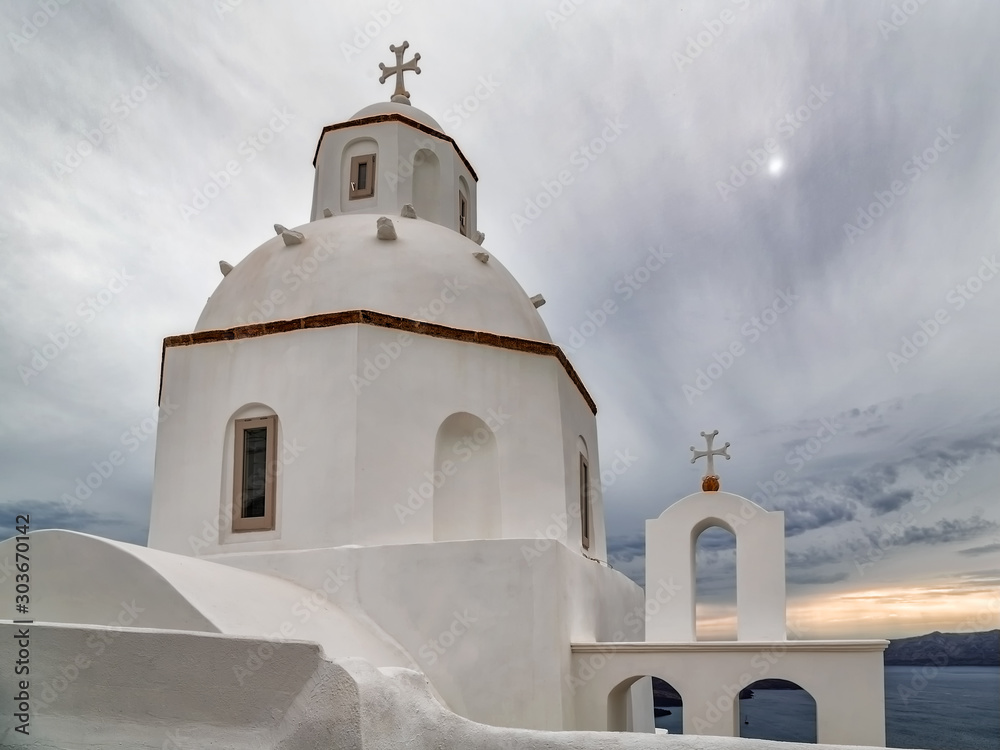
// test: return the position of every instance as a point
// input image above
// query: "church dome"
(428, 273)
(406, 110)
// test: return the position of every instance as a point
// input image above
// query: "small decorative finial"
(408, 212)
(225, 267)
(482, 257)
(710, 482)
(327, 213)
(292, 237)
(384, 229)
(400, 95)
(538, 300)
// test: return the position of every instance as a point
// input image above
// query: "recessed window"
(584, 502)
(362, 177)
(463, 213)
(253, 476)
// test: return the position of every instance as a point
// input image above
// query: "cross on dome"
(710, 482)
(400, 95)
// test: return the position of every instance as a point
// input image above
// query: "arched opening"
(466, 480)
(775, 709)
(585, 507)
(668, 707)
(645, 704)
(427, 185)
(359, 169)
(715, 584)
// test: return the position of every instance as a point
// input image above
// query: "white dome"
(407, 110)
(429, 273)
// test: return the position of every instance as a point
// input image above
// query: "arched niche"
(427, 185)
(466, 480)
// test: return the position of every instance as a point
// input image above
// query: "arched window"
(359, 173)
(464, 219)
(586, 504)
(252, 452)
(466, 480)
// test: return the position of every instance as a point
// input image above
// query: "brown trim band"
(381, 320)
(395, 117)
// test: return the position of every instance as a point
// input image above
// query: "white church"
(377, 518)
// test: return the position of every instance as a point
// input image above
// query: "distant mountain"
(945, 649)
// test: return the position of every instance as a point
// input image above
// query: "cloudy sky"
(790, 211)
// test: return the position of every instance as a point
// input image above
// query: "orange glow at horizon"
(889, 612)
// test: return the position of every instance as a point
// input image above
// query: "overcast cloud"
(822, 176)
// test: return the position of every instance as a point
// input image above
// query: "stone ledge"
(642, 647)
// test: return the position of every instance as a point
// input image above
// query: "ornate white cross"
(709, 453)
(400, 95)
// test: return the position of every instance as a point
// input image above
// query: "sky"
(778, 220)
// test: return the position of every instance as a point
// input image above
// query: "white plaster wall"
(516, 394)
(206, 384)
(640, 706)
(354, 466)
(760, 565)
(396, 164)
(489, 622)
(598, 611)
(578, 421)
(158, 689)
(78, 578)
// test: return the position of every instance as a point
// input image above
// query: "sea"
(947, 708)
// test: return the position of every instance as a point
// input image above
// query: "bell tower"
(392, 154)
